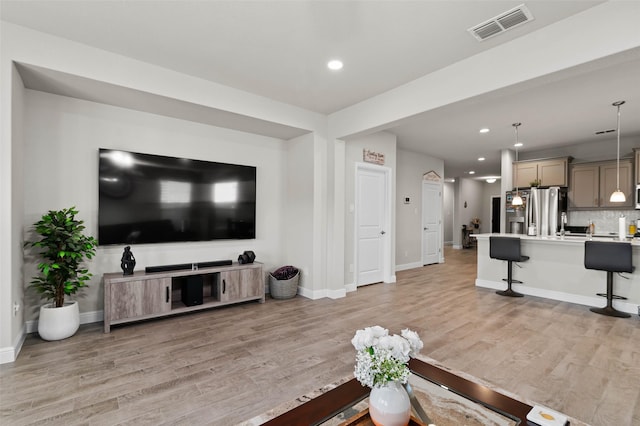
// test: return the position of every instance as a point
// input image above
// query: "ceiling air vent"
(501, 23)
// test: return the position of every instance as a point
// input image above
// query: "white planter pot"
(58, 323)
(389, 405)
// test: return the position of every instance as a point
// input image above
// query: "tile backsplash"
(606, 221)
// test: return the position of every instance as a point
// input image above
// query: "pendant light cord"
(618, 196)
(516, 125)
(618, 154)
(516, 160)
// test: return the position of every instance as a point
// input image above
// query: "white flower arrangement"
(381, 358)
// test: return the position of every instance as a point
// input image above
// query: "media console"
(145, 295)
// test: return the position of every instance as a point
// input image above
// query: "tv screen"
(146, 198)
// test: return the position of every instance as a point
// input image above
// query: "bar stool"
(611, 257)
(507, 248)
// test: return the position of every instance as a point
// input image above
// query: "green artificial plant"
(64, 248)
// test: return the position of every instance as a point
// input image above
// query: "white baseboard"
(319, 294)
(350, 287)
(457, 247)
(407, 266)
(85, 318)
(10, 354)
(559, 295)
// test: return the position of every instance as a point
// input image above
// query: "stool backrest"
(504, 248)
(608, 256)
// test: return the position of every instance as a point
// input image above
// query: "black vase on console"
(128, 262)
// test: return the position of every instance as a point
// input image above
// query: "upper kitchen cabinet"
(636, 153)
(550, 172)
(592, 184)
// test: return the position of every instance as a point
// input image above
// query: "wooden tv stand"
(144, 295)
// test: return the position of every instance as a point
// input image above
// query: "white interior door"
(371, 223)
(431, 223)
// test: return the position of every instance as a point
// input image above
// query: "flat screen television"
(146, 198)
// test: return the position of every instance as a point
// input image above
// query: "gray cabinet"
(151, 295)
(241, 284)
(636, 154)
(550, 172)
(138, 298)
(592, 184)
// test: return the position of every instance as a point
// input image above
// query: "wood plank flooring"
(226, 365)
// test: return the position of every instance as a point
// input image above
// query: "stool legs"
(509, 292)
(609, 310)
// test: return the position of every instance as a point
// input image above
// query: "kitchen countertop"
(568, 238)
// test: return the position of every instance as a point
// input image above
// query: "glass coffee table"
(447, 398)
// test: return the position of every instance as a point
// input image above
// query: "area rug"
(444, 407)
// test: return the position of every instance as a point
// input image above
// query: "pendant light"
(517, 199)
(618, 196)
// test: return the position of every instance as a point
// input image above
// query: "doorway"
(372, 224)
(431, 222)
(495, 215)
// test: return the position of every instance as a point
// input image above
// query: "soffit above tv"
(73, 86)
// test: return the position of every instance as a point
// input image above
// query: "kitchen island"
(555, 270)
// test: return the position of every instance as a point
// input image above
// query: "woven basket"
(284, 289)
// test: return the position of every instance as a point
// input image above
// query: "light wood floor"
(227, 365)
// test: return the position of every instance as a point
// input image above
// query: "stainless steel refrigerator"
(544, 210)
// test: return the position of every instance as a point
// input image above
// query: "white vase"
(389, 405)
(58, 323)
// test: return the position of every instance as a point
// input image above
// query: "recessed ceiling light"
(480, 158)
(484, 130)
(471, 172)
(335, 65)
(491, 180)
(519, 144)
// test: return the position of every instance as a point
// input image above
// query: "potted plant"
(63, 249)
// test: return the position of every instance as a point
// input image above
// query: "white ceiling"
(279, 49)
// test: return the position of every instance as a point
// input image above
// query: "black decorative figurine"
(128, 261)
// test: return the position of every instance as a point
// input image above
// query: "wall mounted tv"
(146, 198)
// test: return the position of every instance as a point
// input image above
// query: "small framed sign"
(373, 157)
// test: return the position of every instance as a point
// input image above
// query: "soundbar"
(214, 263)
(182, 266)
(165, 268)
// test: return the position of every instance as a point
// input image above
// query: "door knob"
(382, 232)
(425, 228)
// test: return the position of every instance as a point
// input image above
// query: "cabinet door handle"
(224, 286)
(167, 288)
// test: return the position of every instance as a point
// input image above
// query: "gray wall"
(448, 195)
(411, 168)
(468, 204)
(602, 149)
(62, 137)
